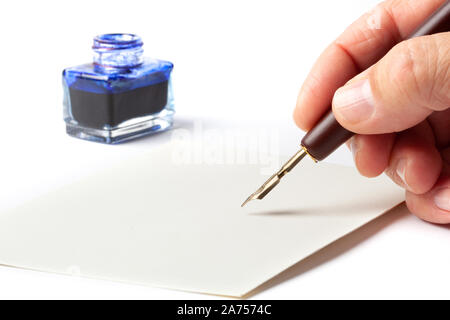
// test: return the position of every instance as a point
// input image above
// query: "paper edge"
(251, 292)
(233, 295)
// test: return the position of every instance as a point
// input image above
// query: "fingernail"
(401, 171)
(442, 199)
(354, 101)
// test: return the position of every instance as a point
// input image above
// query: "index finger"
(362, 44)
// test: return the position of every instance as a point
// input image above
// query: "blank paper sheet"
(154, 222)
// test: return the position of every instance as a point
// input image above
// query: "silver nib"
(275, 179)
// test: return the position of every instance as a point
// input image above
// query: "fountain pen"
(327, 135)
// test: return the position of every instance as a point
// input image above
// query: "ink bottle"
(120, 95)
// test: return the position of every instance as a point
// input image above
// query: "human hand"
(399, 107)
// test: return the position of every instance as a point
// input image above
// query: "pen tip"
(273, 181)
(246, 201)
(263, 190)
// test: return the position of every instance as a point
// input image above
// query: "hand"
(399, 107)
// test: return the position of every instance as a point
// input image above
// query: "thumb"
(399, 91)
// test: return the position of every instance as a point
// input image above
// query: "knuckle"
(405, 71)
(441, 91)
(415, 70)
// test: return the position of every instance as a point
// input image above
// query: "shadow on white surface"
(336, 248)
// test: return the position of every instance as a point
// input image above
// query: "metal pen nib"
(275, 179)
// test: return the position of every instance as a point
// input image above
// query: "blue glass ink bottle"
(121, 95)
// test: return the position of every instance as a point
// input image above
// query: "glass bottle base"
(122, 133)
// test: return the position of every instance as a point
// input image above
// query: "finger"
(361, 45)
(415, 163)
(331, 71)
(439, 122)
(371, 153)
(434, 206)
(399, 91)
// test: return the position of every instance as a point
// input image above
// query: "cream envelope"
(154, 222)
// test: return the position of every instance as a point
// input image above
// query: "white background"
(237, 64)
